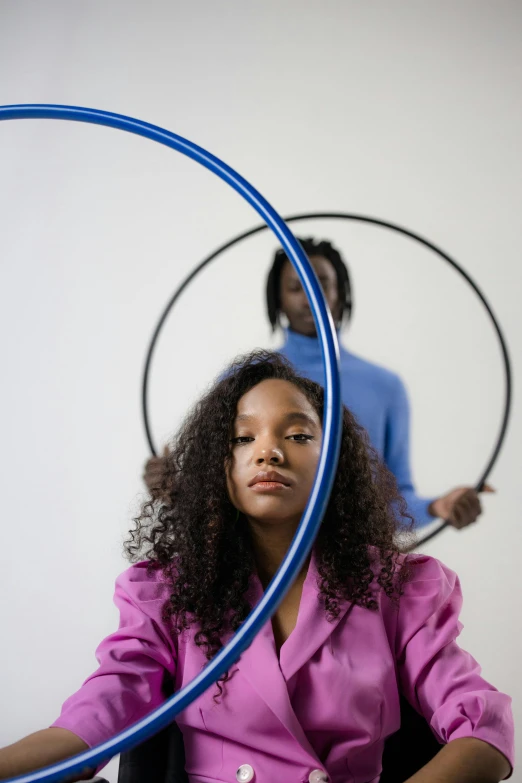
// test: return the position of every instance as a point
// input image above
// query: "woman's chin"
(273, 514)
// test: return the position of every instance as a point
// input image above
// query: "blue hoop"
(325, 474)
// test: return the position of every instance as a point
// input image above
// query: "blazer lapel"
(260, 666)
(312, 629)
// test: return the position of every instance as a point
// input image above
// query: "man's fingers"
(455, 516)
(466, 507)
(473, 506)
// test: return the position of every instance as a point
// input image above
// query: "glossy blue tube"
(325, 475)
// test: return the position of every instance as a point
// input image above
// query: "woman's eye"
(300, 437)
(242, 439)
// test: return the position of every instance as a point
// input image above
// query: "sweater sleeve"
(397, 452)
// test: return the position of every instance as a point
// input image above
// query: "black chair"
(410, 748)
(162, 758)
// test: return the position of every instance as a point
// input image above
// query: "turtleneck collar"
(307, 349)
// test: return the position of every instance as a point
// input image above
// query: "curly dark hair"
(312, 247)
(191, 530)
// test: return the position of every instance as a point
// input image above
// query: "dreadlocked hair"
(191, 531)
(311, 247)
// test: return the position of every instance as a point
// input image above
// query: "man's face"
(294, 303)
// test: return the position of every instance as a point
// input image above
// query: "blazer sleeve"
(133, 661)
(439, 679)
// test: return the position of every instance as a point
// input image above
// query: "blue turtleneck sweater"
(378, 400)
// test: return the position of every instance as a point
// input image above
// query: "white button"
(245, 773)
(318, 776)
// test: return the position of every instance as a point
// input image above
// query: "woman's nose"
(270, 455)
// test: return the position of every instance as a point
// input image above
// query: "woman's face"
(275, 449)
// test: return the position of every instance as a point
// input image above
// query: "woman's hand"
(466, 760)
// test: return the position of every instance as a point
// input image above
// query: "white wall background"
(409, 111)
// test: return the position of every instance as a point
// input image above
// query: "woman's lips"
(269, 481)
(269, 486)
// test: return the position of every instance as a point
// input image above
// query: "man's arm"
(397, 453)
(460, 507)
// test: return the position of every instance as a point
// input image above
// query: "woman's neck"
(271, 542)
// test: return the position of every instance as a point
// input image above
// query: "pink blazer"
(320, 712)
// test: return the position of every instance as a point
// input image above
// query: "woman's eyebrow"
(245, 417)
(301, 416)
(291, 416)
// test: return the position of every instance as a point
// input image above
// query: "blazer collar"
(268, 675)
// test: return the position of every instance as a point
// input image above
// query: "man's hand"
(460, 507)
(153, 473)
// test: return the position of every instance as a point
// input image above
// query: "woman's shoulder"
(422, 582)
(144, 583)
(429, 589)
(414, 568)
(425, 572)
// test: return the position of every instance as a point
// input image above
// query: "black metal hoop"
(361, 219)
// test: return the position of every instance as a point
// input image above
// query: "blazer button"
(318, 776)
(245, 773)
